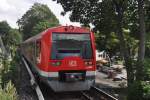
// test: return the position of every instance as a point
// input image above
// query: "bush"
(8, 76)
(146, 82)
(146, 89)
(10, 71)
(9, 92)
(135, 91)
(147, 69)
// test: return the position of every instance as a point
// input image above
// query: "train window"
(71, 44)
(38, 51)
(30, 51)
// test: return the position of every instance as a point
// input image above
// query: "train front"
(72, 60)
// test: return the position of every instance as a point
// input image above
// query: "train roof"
(71, 28)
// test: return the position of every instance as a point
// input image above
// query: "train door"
(38, 52)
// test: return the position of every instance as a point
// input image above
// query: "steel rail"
(110, 97)
(86, 96)
(33, 82)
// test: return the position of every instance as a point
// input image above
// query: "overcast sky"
(12, 10)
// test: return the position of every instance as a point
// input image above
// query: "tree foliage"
(102, 15)
(4, 28)
(9, 92)
(35, 15)
(12, 40)
(42, 25)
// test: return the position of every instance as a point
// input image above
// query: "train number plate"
(72, 63)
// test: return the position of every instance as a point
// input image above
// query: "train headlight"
(56, 63)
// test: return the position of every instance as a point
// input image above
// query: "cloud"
(12, 10)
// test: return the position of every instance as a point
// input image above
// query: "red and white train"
(63, 57)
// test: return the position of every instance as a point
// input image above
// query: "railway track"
(33, 81)
(45, 93)
(97, 94)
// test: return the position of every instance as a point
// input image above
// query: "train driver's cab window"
(71, 44)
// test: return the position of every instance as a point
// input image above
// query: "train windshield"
(71, 44)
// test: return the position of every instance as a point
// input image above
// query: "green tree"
(12, 40)
(4, 28)
(42, 25)
(36, 14)
(142, 32)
